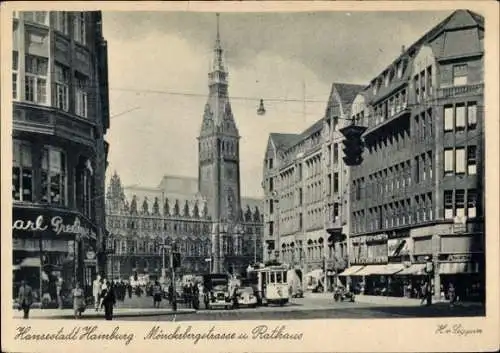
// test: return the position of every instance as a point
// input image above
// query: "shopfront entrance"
(48, 252)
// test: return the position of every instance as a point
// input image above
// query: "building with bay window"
(60, 117)
(418, 195)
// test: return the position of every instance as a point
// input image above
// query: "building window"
(36, 79)
(335, 182)
(448, 118)
(271, 208)
(270, 163)
(61, 81)
(335, 153)
(471, 160)
(36, 16)
(460, 203)
(61, 22)
(15, 68)
(79, 32)
(459, 75)
(448, 204)
(271, 229)
(460, 160)
(53, 176)
(472, 115)
(271, 184)
(22, 172)
(460, 117)
(471, 203)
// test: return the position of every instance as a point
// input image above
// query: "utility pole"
(174, 296)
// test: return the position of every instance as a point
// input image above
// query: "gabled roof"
(283, 141)
(347, 91)
(458, 19)
(317, 126)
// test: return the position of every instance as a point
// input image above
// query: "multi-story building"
(60, 116)
(305, 183)
(205, 218)
(418, 195)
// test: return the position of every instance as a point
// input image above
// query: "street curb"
(116, 315)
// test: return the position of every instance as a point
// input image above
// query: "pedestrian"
(96, 291)
(104, 289)
(170, 293)
(196, 297)
(423, 293)
(156, 292)
(108, 301)
(25, 298)
(78, 301)
(59, 286)
(189, 295)
(452, 295)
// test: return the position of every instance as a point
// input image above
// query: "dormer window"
(375, 87)
(400, 69)
(386, 79)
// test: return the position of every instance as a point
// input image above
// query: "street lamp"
(429, 269)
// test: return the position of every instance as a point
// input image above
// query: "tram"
(270, 284)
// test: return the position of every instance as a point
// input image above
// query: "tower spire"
(218, 64)
(217, 40)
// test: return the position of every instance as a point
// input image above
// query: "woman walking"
(78, 301)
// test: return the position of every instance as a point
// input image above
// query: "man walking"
(25, 298)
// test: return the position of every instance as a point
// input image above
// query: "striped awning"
(351, 271)
(414, 269)
(451, 268)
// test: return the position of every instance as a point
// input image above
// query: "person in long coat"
(25, 298)
(78, 301)
(109, 301)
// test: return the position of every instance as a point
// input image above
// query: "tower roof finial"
(217, 40)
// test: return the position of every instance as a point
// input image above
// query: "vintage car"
(216, 292)
(246, 297)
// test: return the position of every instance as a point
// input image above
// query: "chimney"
(403, 49)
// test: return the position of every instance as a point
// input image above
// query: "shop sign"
(52, 222)
(368, 261)
(397, 247)
(458, 258)
(377, 237)
(421, 258)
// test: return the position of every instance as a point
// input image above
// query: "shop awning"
(351, 271)
(30, 262)
(414, 269)
(452, 268)
(371, 270)
(391, 269)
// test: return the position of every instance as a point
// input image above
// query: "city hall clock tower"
(218, 146)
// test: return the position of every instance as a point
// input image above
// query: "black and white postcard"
(250, 176)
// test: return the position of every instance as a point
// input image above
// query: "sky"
(159, 62)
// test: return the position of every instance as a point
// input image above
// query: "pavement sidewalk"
(91, 313)
(392, 301)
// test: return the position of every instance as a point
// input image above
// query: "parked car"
(246, 297)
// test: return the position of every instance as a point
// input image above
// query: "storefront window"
(22, 172)
(53, 176)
